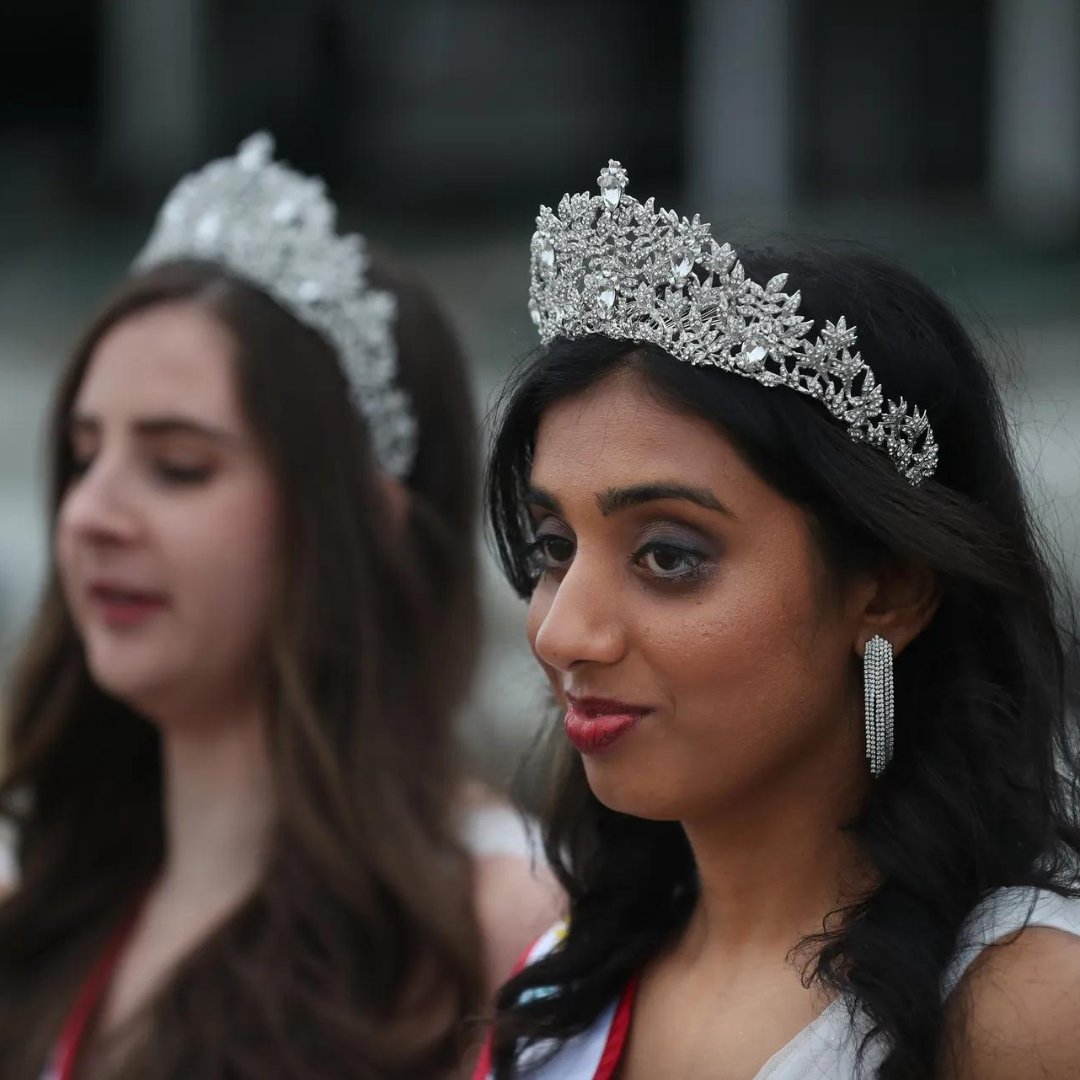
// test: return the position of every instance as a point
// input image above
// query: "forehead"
(169, 358)
(619, 433)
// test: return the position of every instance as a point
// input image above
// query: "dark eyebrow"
(157, 426)
(539, 497)
(615, 499)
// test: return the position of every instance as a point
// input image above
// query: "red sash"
(76, 1027)
(618, 1033)
(614, 1045)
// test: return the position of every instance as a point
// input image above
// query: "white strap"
(1003, 913)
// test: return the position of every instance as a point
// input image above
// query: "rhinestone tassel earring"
(878, 699)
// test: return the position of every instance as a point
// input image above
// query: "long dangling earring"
(878, 699)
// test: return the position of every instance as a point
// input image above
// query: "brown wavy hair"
(357, 955)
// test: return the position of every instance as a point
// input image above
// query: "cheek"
(750, 671)
(225, 555)
(65, 548)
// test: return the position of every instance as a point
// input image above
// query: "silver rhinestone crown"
(274, 227)
(608, 264)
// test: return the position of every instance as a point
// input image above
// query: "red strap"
(73, 1034)
(613, 1047)
(483, 1064)
(618, 1033)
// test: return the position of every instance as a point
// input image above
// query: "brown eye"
(550, 552)
(670, 561)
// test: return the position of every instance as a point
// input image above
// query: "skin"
(172, 496)
(1015, 1015)
(718, 618)
(723, 621)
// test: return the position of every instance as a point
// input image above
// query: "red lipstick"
(594, 724)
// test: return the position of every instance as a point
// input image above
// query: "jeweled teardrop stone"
(255, 151)
(681, 264)
(611, 189)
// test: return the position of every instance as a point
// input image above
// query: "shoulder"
(1016, 1013)
(516, 900)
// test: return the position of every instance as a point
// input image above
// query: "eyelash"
(696, 559)
(181, 474)
(171, 475)
(538, 555)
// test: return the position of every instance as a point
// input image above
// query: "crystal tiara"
(608, 264)
(274, 227)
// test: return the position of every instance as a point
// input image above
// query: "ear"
(899, 601)
(396, 495)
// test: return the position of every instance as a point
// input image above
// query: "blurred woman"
(786, 853)
(229, 758)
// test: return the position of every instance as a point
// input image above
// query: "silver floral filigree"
(275, 228)
(608, 264)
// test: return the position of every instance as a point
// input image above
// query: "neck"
(218, 806)
(772, 868)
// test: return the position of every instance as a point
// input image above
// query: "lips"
(121, 605)
(595, 724)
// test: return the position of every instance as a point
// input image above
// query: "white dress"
(826, 1048)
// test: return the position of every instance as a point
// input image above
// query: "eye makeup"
(550, 549)
(673, 553)
(666, 553)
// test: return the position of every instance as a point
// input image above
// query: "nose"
(97, 508)
(580, 622)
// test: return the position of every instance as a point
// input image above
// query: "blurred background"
(943, 133)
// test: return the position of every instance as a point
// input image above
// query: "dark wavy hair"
(357, 956)
(981, 793)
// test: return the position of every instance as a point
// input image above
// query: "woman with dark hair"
(229, 758)
(786, 855)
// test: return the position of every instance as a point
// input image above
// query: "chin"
(625, 794)
(135, 694)
(141, 687)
